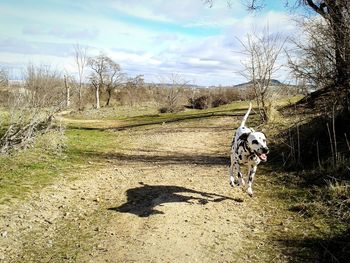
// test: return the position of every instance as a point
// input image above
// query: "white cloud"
(189, 13)
(140, 49)
(165, 11)
(62, 32)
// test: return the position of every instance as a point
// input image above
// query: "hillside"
(274, 82)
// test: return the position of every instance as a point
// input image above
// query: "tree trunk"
(109, 93)
(337, 14)
(342, 60)
(80, 96)
(67, 92)
(97, 95)
(264, 114)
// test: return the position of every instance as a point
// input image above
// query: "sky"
(155, 38)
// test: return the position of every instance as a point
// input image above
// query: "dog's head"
(257, 143)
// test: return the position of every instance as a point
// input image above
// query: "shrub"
(218, 102)
(200, 103)
(53, 141)
(167, 109)
(164, 110)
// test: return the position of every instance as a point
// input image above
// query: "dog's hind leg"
(232, 166)
(251, 174)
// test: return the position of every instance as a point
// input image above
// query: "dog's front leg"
(251, 174)
(240, 176)
(235, 168)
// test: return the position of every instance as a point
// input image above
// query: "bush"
(218, 102)
(167, 109)
(164, 110)
(54, 141)
(200, 103)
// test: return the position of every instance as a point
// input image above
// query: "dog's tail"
(246, 115)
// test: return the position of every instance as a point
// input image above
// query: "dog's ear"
(244, 136)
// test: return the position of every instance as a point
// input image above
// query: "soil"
(164, 197)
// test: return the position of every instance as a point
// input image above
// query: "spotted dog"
(248, 148)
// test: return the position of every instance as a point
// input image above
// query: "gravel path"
(163, 198)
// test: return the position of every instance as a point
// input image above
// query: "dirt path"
(164, 198)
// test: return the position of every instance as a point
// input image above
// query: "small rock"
(48, 221)
(100, 247)
(4, 234)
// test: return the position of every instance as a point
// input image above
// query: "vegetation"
(105, 74)
(261, 51)
(52, 158)
(313, 200)
(53, 126)
(84, 142)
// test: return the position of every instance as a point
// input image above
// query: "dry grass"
(291, 219)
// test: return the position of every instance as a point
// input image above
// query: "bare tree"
(32, 109)
(81, 60)
(106, 74)
(4, 80)
(173, 89)
(44, 87)
(132, 86)
(68, 90)
(261, 52)
(115, 80)
(336, 13)
(25, 124)
(313, 60)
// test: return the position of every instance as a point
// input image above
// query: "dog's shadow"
(142, 200)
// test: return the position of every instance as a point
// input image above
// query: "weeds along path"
(164, 197)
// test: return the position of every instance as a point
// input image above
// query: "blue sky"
(151, 37)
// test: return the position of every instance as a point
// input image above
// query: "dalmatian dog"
(248, 148)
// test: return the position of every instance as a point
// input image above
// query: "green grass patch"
(88, 147)
(25, 171)
(110, 118)
(134, 120)
(114, 113)
(37, 167)
(91, 145)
